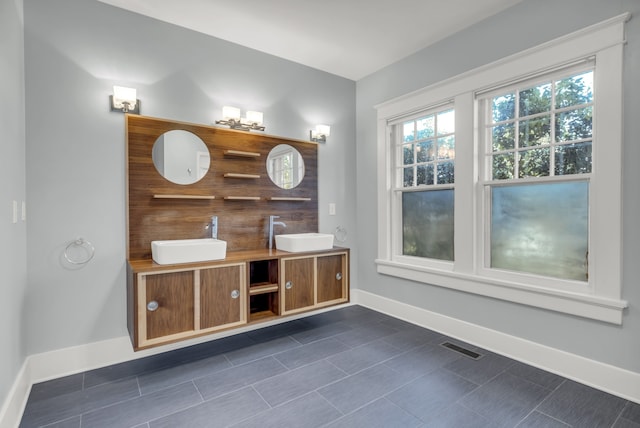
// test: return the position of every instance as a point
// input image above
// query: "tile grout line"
(381, 352)
(620, 414)
(177, 411)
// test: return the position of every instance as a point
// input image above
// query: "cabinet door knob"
(339, 276)
(235, 294)
(152, 306)
(288, 285)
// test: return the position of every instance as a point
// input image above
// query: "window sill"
(583, 305)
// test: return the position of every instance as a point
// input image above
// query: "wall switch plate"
(24, 211)
(332, 208)
(15, 211)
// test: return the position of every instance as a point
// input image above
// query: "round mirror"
(181, 157)
(285, 166)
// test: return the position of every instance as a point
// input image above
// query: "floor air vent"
(462, 350)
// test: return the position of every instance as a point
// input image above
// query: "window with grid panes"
(537, 206)
(425, 178)
(538, 138)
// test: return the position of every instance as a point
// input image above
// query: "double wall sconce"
(231, 118)
(320, 134)
(124, 100)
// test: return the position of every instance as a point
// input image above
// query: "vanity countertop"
(232, 257)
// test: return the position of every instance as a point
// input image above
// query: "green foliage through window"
(428, 150)
(555, 116)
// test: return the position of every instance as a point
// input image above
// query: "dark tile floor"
(351, 367)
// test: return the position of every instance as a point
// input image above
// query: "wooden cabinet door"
(332, 278)
(298, 283)
(168, 303)
(221, 296)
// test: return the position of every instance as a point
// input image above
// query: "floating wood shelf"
(184, 197)
(277, 198)
(235, 175)
(262, 289)
(242, 198)
(240, 153)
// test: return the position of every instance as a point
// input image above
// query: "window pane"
(574, 90)
(534, 132)
(574, 124)
(541, 229)
(535, 100)
(425, 174)
(446, 147)
(425, 151)
(446, 122)
(407, 132)
(445, 173)
(426, 141)
(503, 107)
(534, 163)
(408, 177)
(407, 154)
(425, 127)
(504, 137)
(503, 166)
(427, 224)
(573, 159)
(282, 168)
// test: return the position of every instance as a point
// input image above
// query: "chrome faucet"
(214, 226)
(271, 224)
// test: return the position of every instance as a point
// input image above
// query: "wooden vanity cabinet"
(298, 283)
(332, 279)
(309, 282)
(222, 298)
(167, 306)
(169, 303)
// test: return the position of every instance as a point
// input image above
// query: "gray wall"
(12, 187)
(522, 26)
(75, 51)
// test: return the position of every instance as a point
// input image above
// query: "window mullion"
(552, 130)
(466, 173)
(516, 137)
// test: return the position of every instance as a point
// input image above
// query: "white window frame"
(398, 190)
(601, 300)
(483, 196)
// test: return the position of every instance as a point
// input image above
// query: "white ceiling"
(350, 38)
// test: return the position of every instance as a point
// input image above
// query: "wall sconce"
(320, 134)
(124, 100)
(231, 117)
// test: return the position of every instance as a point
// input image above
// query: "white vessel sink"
(300, 242)
(188, 250)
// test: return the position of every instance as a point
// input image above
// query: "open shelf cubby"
(263, 289)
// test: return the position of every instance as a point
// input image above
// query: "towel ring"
(83, 244)
(340, 234)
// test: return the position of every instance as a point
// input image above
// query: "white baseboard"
(67, 361)
(60, 363)
(605, 377)
(11, 410)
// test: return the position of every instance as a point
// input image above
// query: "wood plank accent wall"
(242, 223)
